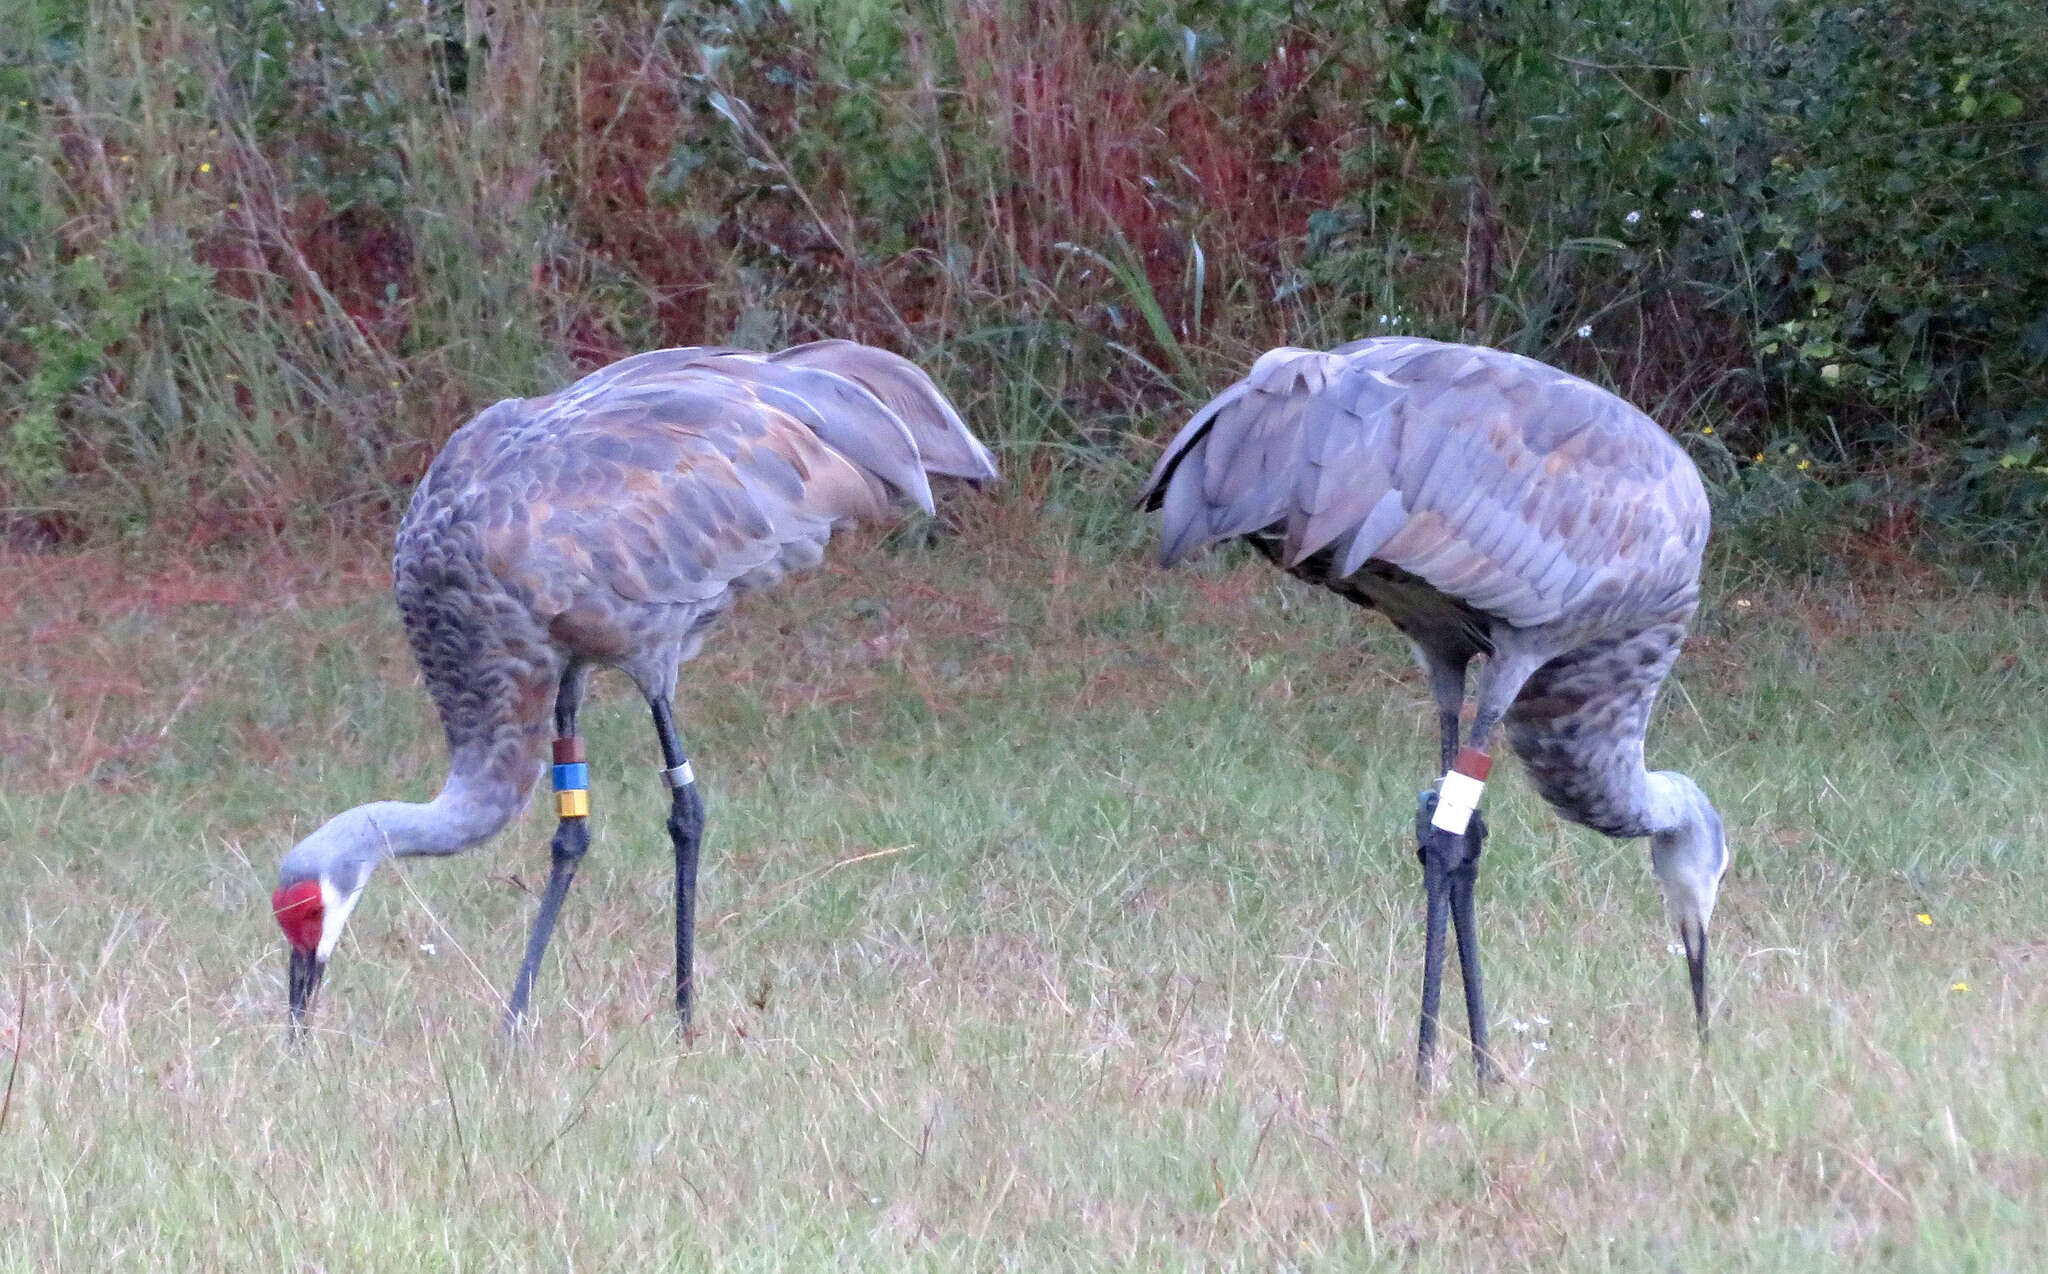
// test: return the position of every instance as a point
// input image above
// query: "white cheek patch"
(334, 909)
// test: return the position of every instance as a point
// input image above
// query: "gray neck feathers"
(348, 846)
(1672, 801)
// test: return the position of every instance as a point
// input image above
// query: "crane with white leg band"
(611, 524)
(1491, 506)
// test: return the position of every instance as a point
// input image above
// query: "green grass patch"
(1057, 914)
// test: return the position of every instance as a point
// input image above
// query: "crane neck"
(349, 846)
(1672, 802)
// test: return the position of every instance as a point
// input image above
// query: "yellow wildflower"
(1924, 918)
(1708, 431)
(1805, 464)
(206, 168)
(1959, 986)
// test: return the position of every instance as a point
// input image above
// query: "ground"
(1059, 913)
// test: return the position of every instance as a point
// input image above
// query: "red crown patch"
(298, 908)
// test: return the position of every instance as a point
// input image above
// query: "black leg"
(1447, 729)
(1450, 869)
(571, 842)
(686, 834)
(1447, 686)
(1463, 878)
(1436, 908)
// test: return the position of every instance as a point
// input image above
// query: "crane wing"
(673, 485)
(1505, 483)
(845, 413)
(943, 442)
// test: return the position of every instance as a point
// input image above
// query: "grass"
(1059, 914)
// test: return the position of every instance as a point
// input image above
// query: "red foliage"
(1235, 161)
(362, 255)
(627, 121)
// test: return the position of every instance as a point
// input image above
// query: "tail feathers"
(1281, 448)
(944, 444)
(845, 414)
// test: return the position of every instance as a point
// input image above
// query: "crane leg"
(1450, 869)
(1462, 879)
(571, 842)
(686, 834)
(1436, 911)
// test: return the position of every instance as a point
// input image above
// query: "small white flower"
(1586, 331)
(1697, 215)
(1539, 1046)
(1386, 319)
(1278, 1037)
(1518, 1026)
(1705, 119)
(1632, 218)
(1541, 1020)
(430, 948)
(1675, 948)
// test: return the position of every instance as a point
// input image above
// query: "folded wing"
(1507, 484)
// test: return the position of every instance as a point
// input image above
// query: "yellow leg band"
(574, 803)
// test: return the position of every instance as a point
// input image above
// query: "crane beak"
(306, 968)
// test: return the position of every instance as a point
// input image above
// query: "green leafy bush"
(327, 232)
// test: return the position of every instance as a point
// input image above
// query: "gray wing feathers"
(844, 413)
(1388, 515)
(944, 443)
(1499, 480)
(677, 475)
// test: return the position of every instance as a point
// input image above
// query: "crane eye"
(298, 908)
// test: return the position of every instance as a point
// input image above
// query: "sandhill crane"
(1490, 505)
(610, 524)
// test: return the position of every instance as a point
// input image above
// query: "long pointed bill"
(306, 968)
(1694, 935)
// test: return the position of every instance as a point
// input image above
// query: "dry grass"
(1060, 914)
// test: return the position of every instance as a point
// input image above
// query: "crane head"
(1689, 852)
(311, 911)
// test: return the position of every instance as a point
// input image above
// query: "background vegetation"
(1059, 913)
(260, 256)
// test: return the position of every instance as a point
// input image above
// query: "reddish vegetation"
(104, 696)
(1057, 167)
(1140, 166)
(628, 119)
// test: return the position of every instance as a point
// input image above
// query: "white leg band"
(680, 777)
(1456, 797)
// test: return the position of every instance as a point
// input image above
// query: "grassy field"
(1059, 914)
